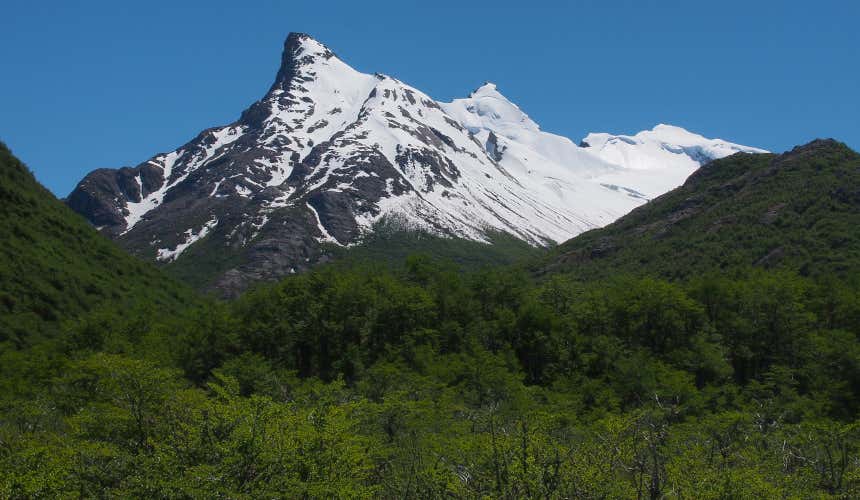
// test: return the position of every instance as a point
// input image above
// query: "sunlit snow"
(493, 167)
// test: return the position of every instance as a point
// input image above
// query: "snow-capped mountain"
(329, 151)
(658, 160)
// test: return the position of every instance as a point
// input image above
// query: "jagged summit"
(329, 152)
(300, 49)
(298, 44)
(297, 38)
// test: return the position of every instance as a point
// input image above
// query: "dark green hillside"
(54, 266)
(799, 210)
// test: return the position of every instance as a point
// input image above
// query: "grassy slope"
(799, 210)
(54, 266)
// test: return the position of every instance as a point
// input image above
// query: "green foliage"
(431, 379)
(431, 382)
(54, 266)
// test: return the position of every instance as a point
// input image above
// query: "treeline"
(432, 382)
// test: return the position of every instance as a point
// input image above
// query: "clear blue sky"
(107, 84)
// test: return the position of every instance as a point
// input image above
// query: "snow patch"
(169, 255)
(326, 237)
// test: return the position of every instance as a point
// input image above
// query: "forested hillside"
(55, 266)
(798, 210)
(428, 380)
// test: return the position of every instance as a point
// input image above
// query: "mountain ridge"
(329, 151)
(795, 210)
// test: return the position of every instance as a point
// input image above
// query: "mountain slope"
(329, 152)
(798, 210)
(54, 266)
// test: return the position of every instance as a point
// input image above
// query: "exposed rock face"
(328, 151)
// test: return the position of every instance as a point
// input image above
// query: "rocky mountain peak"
(300, 49)
(329, 152)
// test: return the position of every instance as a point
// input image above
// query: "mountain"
(330, 152)
(54, 266)
(799, 210)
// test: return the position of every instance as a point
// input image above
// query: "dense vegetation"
(55, 266)
(426, 380)
(433, 382)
